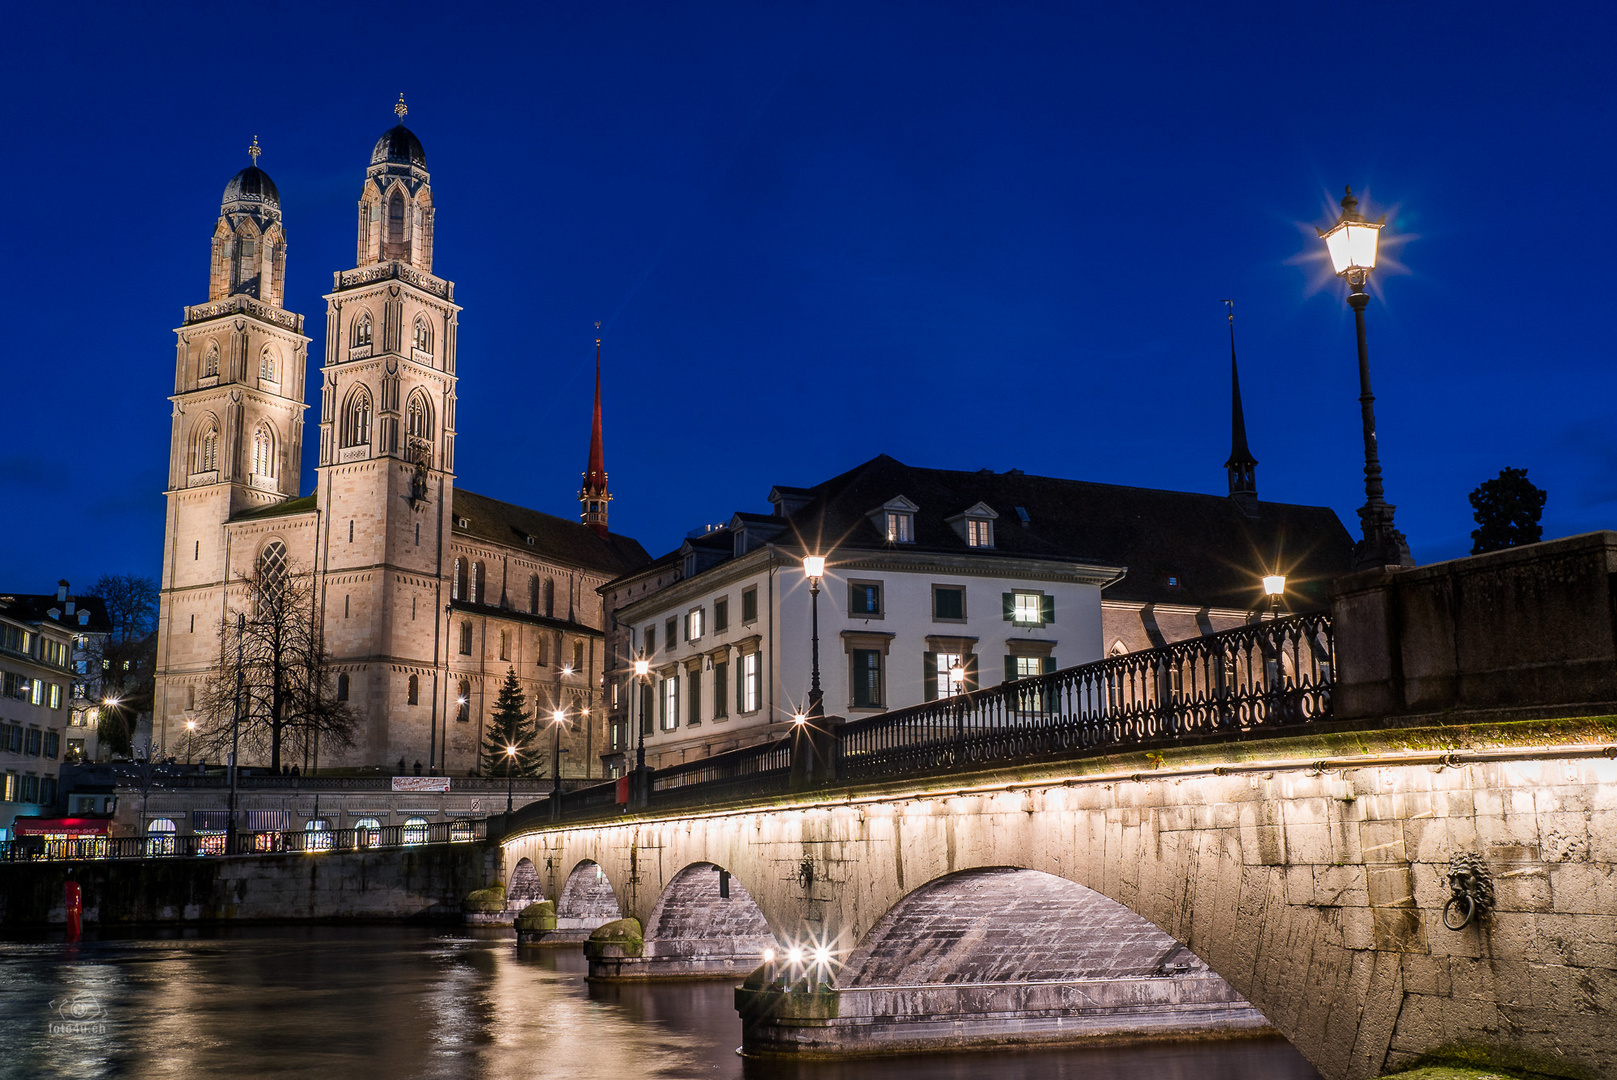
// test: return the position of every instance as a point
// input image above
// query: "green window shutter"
(929, 676)
(1049, 664)
(1047, 608)
(1010, 669)
(1010, 605)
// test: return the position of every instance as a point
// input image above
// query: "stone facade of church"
(427, 593)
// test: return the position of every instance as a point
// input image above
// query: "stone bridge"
(1299, 880)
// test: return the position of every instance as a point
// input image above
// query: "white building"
(1005, 574)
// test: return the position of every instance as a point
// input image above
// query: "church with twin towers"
(427, 594)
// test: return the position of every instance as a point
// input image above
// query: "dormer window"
(895, 519)
(900, 528)
(975, 525)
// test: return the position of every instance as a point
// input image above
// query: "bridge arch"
(587, 898)
(523, 887)
(707, 921)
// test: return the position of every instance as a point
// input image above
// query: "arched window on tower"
(479, 583)
(550, 597)
(423, 335)
(356, 418)
(206, 453)
(393, 243)
(266, 365)
(362, 330)
(457, 584)
(210, 360)
(418, 416)
(463, 702)
(264, 451)
(413, 694)
(342, 687)
(533, 594)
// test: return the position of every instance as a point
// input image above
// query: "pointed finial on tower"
(401, 108)
(254, 150)
(594, 496)
(1241, 466)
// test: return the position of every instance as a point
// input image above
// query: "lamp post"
(642, 673)
(558, 720)
(814, 570)
(1274, 587)
(190, 733)
(510, 776)
(235, 727)
(1352, 245)
(957, 676)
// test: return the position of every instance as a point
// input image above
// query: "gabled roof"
(1181, 548)
(286, 507)
(36, 608)
(557, 538)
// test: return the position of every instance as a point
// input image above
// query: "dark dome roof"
(252, 184)
(399, 144)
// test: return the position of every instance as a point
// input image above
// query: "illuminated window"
(1029, 608)
(668, 707)
(463, 702)
(979, 533)
(948, 685)
(693, 624)
(900, 528)
(751, 686)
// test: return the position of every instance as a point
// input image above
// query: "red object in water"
(73, 901)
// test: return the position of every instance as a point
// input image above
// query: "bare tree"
(131, 602)
(274, 653)
(121, 667)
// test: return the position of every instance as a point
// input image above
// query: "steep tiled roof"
(281, 509)
(567, 541)
(35, 608)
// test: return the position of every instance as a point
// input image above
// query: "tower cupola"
(249, 242)
(395, 206)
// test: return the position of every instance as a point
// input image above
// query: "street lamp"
(190, 733)
(1274, 587)
(558, 720)
(814, 570)
(1352, 245)
(510, 775)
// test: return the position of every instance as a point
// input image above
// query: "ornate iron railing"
(310, 841)
(458, 785)
(1261, 675)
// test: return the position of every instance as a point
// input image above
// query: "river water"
(414, 1002)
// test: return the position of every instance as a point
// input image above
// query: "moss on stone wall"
(489, 901)
(539, 916)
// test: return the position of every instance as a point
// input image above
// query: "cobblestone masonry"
(1317, 895)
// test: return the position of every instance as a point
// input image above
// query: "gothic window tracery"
(266, 364)
(457, 586)
(533, 593)
(362, 330)
(206, 457)
(356, 418)
(479, 582)
(395, 225)
(423, 335)
(264, 451)
(210, 362)
(418, 417)
(272, 570)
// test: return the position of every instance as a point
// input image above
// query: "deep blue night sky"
(968, 235)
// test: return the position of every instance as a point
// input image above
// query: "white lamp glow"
(1352, 241)
(642, 668)
(814, 566)
(1274, 584)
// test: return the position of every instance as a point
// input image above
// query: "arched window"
(533, 594)
(463, 703)
(550, 597)
(362, 329)
(207, 445)
(479, 583)
(414, 692)
(395, 225)
(418, 416)
(266, 365)
(356, 418)
(264, 450)
(415, 830)
(210, 362)
(272, 569)
(423, 335)
(160, 833)
(457, 584)
(367, 832)
(342, 687)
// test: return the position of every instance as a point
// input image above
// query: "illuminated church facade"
(427, 593)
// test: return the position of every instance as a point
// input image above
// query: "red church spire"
(594, 496)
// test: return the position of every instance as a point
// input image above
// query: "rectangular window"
(465, 639)
(578, 656)
(693, 624)
(867, 678)
(721, 615)
(36, 694)
(948, 603)
(864, 599)
(11, 787)
(645, 708)
(53, 744)
(948, 685)
(36, 740)
(1029, 608)
(671, 634)
(899, 528)
(669, 713)
(47, 789)
(693, 697)
(749, 606)
(751, 686)
(56, 695)
(721, 690)
(979, 532)
(505, 644)
(30, 788)
(651, 640)
(1028, 666)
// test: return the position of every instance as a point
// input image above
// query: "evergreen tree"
(1507, 510)
(512, 725)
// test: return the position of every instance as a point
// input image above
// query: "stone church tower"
(428, 594)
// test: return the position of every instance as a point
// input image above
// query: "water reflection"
(354, 1002)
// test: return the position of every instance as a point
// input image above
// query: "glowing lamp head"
(799, 718)
(1274, 584)
(769, 956)
(822, 957)
(814, 567)
(510, 751)
(567, 669)
(190, 725)
(460, 701)
(642, 668)
(957, 674)
(559, 716)
(794, 955)
(1352, 240)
